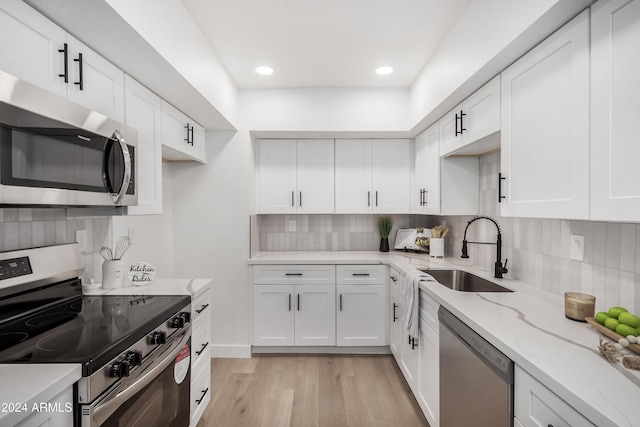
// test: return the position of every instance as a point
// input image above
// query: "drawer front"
(536, 405)
(429, 311)
(200, 307)
(201, 342)
(200, 392)
(374, 274)
(294, 274)
(397, 281)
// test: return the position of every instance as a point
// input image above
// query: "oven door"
(157, 395)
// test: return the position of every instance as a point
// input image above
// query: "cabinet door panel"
(315, 315)
(144, 113)
(361, 315)
(429, 380)
(353, 176)
(273, 315)
(615, 176)
(545, 122)
(277, 176)
(395, 326)
(103, 82)
(315, 171)
(483, 111)
(29, 45)
(449, 141)
(391, 176)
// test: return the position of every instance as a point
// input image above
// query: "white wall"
(324, 109)
(152, 234)
(211, 206)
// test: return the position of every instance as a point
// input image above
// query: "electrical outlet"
(577, 248)
(81, 238)
(292, 225)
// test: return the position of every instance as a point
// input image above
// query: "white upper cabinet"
(36, 50)
(615, 149)
(373, 176)
(143, 113)
(296, 176)
(464, 129)
(445, 186)
(545, 128)
(182, 138)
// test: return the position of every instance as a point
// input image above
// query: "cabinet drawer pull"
(80, 81)
(199, 352)
(360, 274)
(500, 196)
(203, 308)
(204, 393)
(65, 54)
(293, 274)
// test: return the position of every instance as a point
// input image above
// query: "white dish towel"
(412, 300)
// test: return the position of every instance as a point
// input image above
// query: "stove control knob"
(180, 320)
(133, 358)
(157, 337)
(119, 369)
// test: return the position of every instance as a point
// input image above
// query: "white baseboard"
(323, 350)
(231, 351)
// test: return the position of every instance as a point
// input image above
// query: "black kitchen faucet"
(499, 268)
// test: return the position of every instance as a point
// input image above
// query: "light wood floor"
(310, 390)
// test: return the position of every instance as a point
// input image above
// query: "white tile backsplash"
(538, 250)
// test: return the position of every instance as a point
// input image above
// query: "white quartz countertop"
(191, 287)
(23, 386)
(527, 325)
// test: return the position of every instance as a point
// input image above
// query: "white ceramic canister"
(436, 247)
(113, 274)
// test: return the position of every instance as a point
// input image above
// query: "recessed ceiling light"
(265, 71)
(383, 71)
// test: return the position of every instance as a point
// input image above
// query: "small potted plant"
(385, 224)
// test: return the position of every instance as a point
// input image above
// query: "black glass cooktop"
(83, 329)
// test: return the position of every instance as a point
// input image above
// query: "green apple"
(602, 316)
(629, 319)
(615, 311)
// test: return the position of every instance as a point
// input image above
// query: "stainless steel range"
(134, 350)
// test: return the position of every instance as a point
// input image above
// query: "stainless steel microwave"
(54, 152)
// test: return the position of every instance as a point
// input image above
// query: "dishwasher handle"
(490, 356)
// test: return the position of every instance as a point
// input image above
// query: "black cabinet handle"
(204, 393)
(292, 201)
(293, 274)
(191, 136)
(80, 81)
(409, 338)
(500, 196)
(289, 302)
(301, 199)
(65, 53)
(360, 274)
(413, 344)
(187, 138)
(376, 197)
(393, 278)
(368, 198)
(199, 352)
(462, 129)
(298, 302)
(425, 197)
(340, 302)
(394, 311)
(202, 308)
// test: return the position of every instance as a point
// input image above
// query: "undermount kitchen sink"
(463, 281)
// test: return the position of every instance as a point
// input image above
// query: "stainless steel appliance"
(56, 152)
(476, 379)
(134, 350)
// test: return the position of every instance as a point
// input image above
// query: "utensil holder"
(113, 273)
(436, 247)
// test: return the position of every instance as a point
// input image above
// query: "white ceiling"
(325, 43)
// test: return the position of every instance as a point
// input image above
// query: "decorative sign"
(141, 273)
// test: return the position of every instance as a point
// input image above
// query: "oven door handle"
(104, 410)
(126, 157)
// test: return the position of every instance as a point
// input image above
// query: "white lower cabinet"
(396, 293)
(537, 406)
(361, 319)
(200, 353)
(59, 418)
(315, 315)
(273, 315)
(428, 395)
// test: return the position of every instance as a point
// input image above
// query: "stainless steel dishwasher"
(476, 379)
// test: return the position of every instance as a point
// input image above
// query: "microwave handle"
(127, 167)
